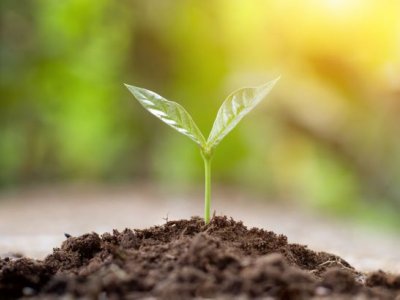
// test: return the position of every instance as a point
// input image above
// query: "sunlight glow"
(340, 5)
(341, 8)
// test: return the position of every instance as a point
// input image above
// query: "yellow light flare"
(342, 7)
(363, 33)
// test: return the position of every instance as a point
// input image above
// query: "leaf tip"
(128, 86)
(133, 89)
(274, 81)
(266, 87)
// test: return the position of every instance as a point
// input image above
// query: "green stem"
(207, 192)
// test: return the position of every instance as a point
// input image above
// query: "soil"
(187, 259)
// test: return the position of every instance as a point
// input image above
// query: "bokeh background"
(328, 136)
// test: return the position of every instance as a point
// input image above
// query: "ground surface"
(34, 221)
(187, 259)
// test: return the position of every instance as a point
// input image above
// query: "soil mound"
(187, 259)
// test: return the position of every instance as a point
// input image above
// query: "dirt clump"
(187, 259)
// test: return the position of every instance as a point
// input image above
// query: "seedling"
(235, 107)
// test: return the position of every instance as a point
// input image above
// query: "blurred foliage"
(329, 135)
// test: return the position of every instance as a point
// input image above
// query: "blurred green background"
(328, 135)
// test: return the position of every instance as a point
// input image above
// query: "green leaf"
(169, 112)
(235, 107)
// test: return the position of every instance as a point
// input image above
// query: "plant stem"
(207, 192)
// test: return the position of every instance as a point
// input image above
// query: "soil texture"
(187, 259)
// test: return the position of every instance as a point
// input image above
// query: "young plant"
(235, 107)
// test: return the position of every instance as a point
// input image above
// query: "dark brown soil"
(186, 259)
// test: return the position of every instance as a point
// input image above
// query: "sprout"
(235, 107)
